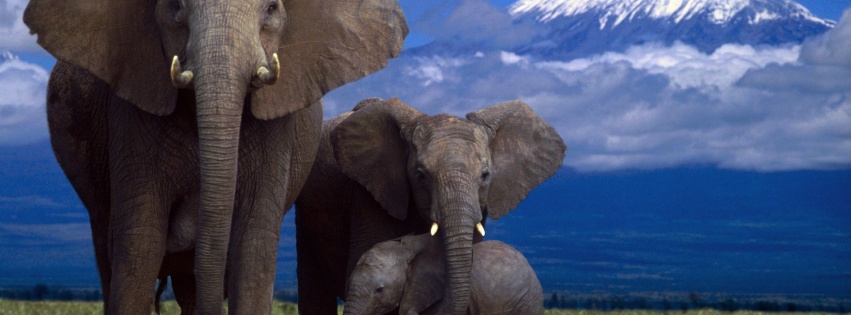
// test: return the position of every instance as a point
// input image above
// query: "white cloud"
(14, 34)
(833, 47)
(686, 66)
(510, 58)
(740, 107)
(434, 69)
(22, 97)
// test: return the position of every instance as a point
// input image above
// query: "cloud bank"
(14, 34)
(22, 97)
(652, 106)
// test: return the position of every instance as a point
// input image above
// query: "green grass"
(11, 307)
(691, 312)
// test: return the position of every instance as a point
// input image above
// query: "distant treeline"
(691, 301)
(41, 292)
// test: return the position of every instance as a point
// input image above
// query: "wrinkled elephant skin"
(188, 127)
(407, 274)
(385, 170)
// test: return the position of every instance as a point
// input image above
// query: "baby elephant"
(408, 273)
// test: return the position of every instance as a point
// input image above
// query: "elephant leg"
(322, 256)
(316, 296)
(275, 158)
(183, 285)
(252, 257)
(179, 266)
(139, 235)
(140, 203)
(179, 262)
(152, 166)
(76, 115)
(259, 209)
(322, 236)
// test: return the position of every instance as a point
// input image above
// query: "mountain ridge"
(562, 29)
(715, 11)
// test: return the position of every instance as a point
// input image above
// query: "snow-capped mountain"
(580, 27)
(614, 12)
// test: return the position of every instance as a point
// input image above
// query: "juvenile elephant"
(407, 273)
(188, 127)
(386, 170)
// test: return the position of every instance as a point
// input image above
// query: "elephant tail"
(163, 282)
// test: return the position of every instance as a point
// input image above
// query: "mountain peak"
(611, 13)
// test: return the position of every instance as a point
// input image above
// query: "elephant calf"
(408, 273)
(386, 170)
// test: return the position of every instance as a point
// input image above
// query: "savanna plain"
(285, 308)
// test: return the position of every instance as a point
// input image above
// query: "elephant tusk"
(179, 78)
(433, 228)
(480, 228)
(270, 77)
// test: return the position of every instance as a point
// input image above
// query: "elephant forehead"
(380, 256)
(444, 131)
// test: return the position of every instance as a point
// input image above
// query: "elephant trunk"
(458, 239)
(218, 137)
(221, 83)
(353, 308)
(461, 212)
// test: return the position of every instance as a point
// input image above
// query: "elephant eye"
(273, 6)
(175, 5)
(419, 174)
(486, 174)
(379, 290)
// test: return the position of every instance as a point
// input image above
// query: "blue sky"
(651, 131)
(732, 97)
(415, 10)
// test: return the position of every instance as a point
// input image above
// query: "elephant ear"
(426, 280)
(326, 44)
(525, 151)
(117, 41)
(370, 150)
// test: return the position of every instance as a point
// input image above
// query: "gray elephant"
(188, 127)
(386, 170)
(408, 274)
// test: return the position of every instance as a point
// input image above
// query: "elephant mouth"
(265, 75)
(180, 78)
(435, 227)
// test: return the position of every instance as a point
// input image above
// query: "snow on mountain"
(614, 12)
(577, 28)
(646, 94)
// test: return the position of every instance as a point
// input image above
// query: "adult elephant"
(386, 170)
(159, 117)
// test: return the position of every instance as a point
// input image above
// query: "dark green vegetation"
(71, 308)
(287, 308)
(691, 301)
(45, 299)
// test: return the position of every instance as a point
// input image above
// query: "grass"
(12, 307)
(690, 312)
